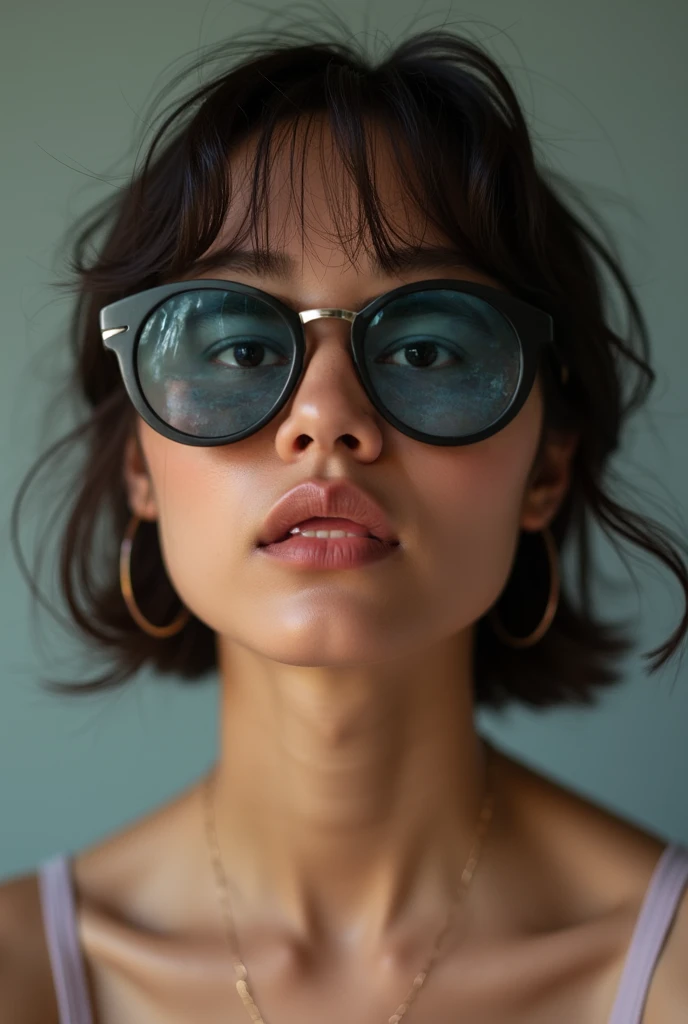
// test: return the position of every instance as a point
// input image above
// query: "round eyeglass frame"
(121, 323)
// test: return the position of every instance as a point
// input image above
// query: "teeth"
(323, 533)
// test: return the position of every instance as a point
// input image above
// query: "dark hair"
(442, 100)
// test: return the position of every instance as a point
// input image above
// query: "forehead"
(309, 215)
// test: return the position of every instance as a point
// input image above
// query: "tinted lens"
(443, 362)
(212, 363)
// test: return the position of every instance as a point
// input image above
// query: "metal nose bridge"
(315, 314)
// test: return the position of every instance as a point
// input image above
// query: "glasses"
(210, 362)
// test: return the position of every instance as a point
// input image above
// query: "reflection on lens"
(443, 362)
(212, 363)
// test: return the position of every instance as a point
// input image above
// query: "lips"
(333, 500)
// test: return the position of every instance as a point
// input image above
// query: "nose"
(329, 403)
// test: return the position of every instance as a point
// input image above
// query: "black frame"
(533, 327)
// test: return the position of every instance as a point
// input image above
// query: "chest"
(570, 977)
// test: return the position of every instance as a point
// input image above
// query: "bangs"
(357, 125)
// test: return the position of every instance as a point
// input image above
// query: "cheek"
(479, 487)
(206, 510)
(470, 501)
(467, 511)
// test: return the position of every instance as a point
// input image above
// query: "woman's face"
(456, 511)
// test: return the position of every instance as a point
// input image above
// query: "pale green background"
(604, 87)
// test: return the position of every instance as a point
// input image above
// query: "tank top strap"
(651, 930)
(62, 938)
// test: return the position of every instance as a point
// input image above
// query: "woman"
(343, 297)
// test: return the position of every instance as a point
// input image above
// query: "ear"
(138, 480)
(549, 481)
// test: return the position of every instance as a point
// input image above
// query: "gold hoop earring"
(552, 602)
(128, 594)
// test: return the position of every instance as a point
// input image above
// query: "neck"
(345, 798)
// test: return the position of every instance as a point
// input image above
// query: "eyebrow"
(282, 266)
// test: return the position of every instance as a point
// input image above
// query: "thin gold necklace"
(223, 892)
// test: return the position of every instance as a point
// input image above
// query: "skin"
(349, 784)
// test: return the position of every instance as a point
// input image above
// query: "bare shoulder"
(116, 874)
(606, 864)
(27, 994)
(124, 872)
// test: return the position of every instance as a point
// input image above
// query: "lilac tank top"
(651, 930)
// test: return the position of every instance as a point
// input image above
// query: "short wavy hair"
(448, 107)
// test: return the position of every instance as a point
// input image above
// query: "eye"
(245, 354)
(421, 353)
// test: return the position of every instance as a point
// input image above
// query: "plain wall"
(604, 88)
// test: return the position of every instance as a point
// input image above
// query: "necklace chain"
(223, 892)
